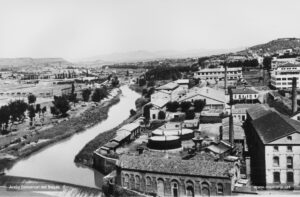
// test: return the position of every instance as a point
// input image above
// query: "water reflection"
(56, 162)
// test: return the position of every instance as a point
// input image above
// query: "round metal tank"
(164, 142)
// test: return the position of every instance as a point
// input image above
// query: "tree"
(73, 98)
(146, 111)
(142, 82)
(161, 115)
(199, 105)
(189, 115)
(4, 116)
(17, 109)
(73, 88)
(132, 112)
(86, 94)
(151, 83)
(144, 91)
(172, 106)
(62, 105)
(31, 114)
(150, 92)
(38, 109)
(115, 81)
(31, 98)
(99, 94)
(140, 102)
(267, 63)
(54, 111)
(185, 105)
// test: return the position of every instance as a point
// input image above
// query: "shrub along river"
(56, 162)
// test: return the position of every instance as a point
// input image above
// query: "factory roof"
(273, 126)
(176, 166)
(244, 91)
(258, 111)
(168, 86)
(205, 92)
(130, 126)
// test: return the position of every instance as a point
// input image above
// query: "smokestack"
(225, 79)
(231, 131)
(294, 95)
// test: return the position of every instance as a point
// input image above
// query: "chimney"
(294, 95)
(225, 79)
(231, 131)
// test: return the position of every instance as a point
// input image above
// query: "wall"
(103, 164)
(198, 183)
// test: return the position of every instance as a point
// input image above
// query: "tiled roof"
(168, 86)
(130, 126)
(273, 126)
(205, 92)
(160, 102)
(243, 105)
(175, 166)
(244, 91)
(258, 111)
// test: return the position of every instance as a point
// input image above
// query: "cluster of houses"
(254, 145)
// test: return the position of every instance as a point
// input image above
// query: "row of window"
(283, 79)
(189, 186)
(284, 83)
(289, 162)
(289, 177)
(288, 148)
(218, 73)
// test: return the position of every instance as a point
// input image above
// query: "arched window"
(126, 181)
(148, 184)
(220, 189)
(275, 161)
(290, 177)
(205, 189)
(160, 187)
(175, 188)
(137, 182)
(190, 189)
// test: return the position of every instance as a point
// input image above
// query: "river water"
(56, 162)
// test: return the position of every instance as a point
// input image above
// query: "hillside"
(279, 44)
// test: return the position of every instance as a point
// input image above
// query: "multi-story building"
(276, 62)
(244, 95)
(176, 177)
(281, 77)
(274, 147)
(218, 73)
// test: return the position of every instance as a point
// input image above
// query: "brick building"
(176, 177)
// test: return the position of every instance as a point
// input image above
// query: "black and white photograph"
(149, 98)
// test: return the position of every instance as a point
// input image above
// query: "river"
(56, 162)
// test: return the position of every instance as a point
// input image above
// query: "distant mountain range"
(143, 55)
(26, 61)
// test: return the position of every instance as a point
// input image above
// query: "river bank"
(85, 156)
(62, 130)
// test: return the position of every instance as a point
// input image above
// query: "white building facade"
(281, 77)
(218, 74)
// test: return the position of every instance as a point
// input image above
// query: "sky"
(75, 29)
